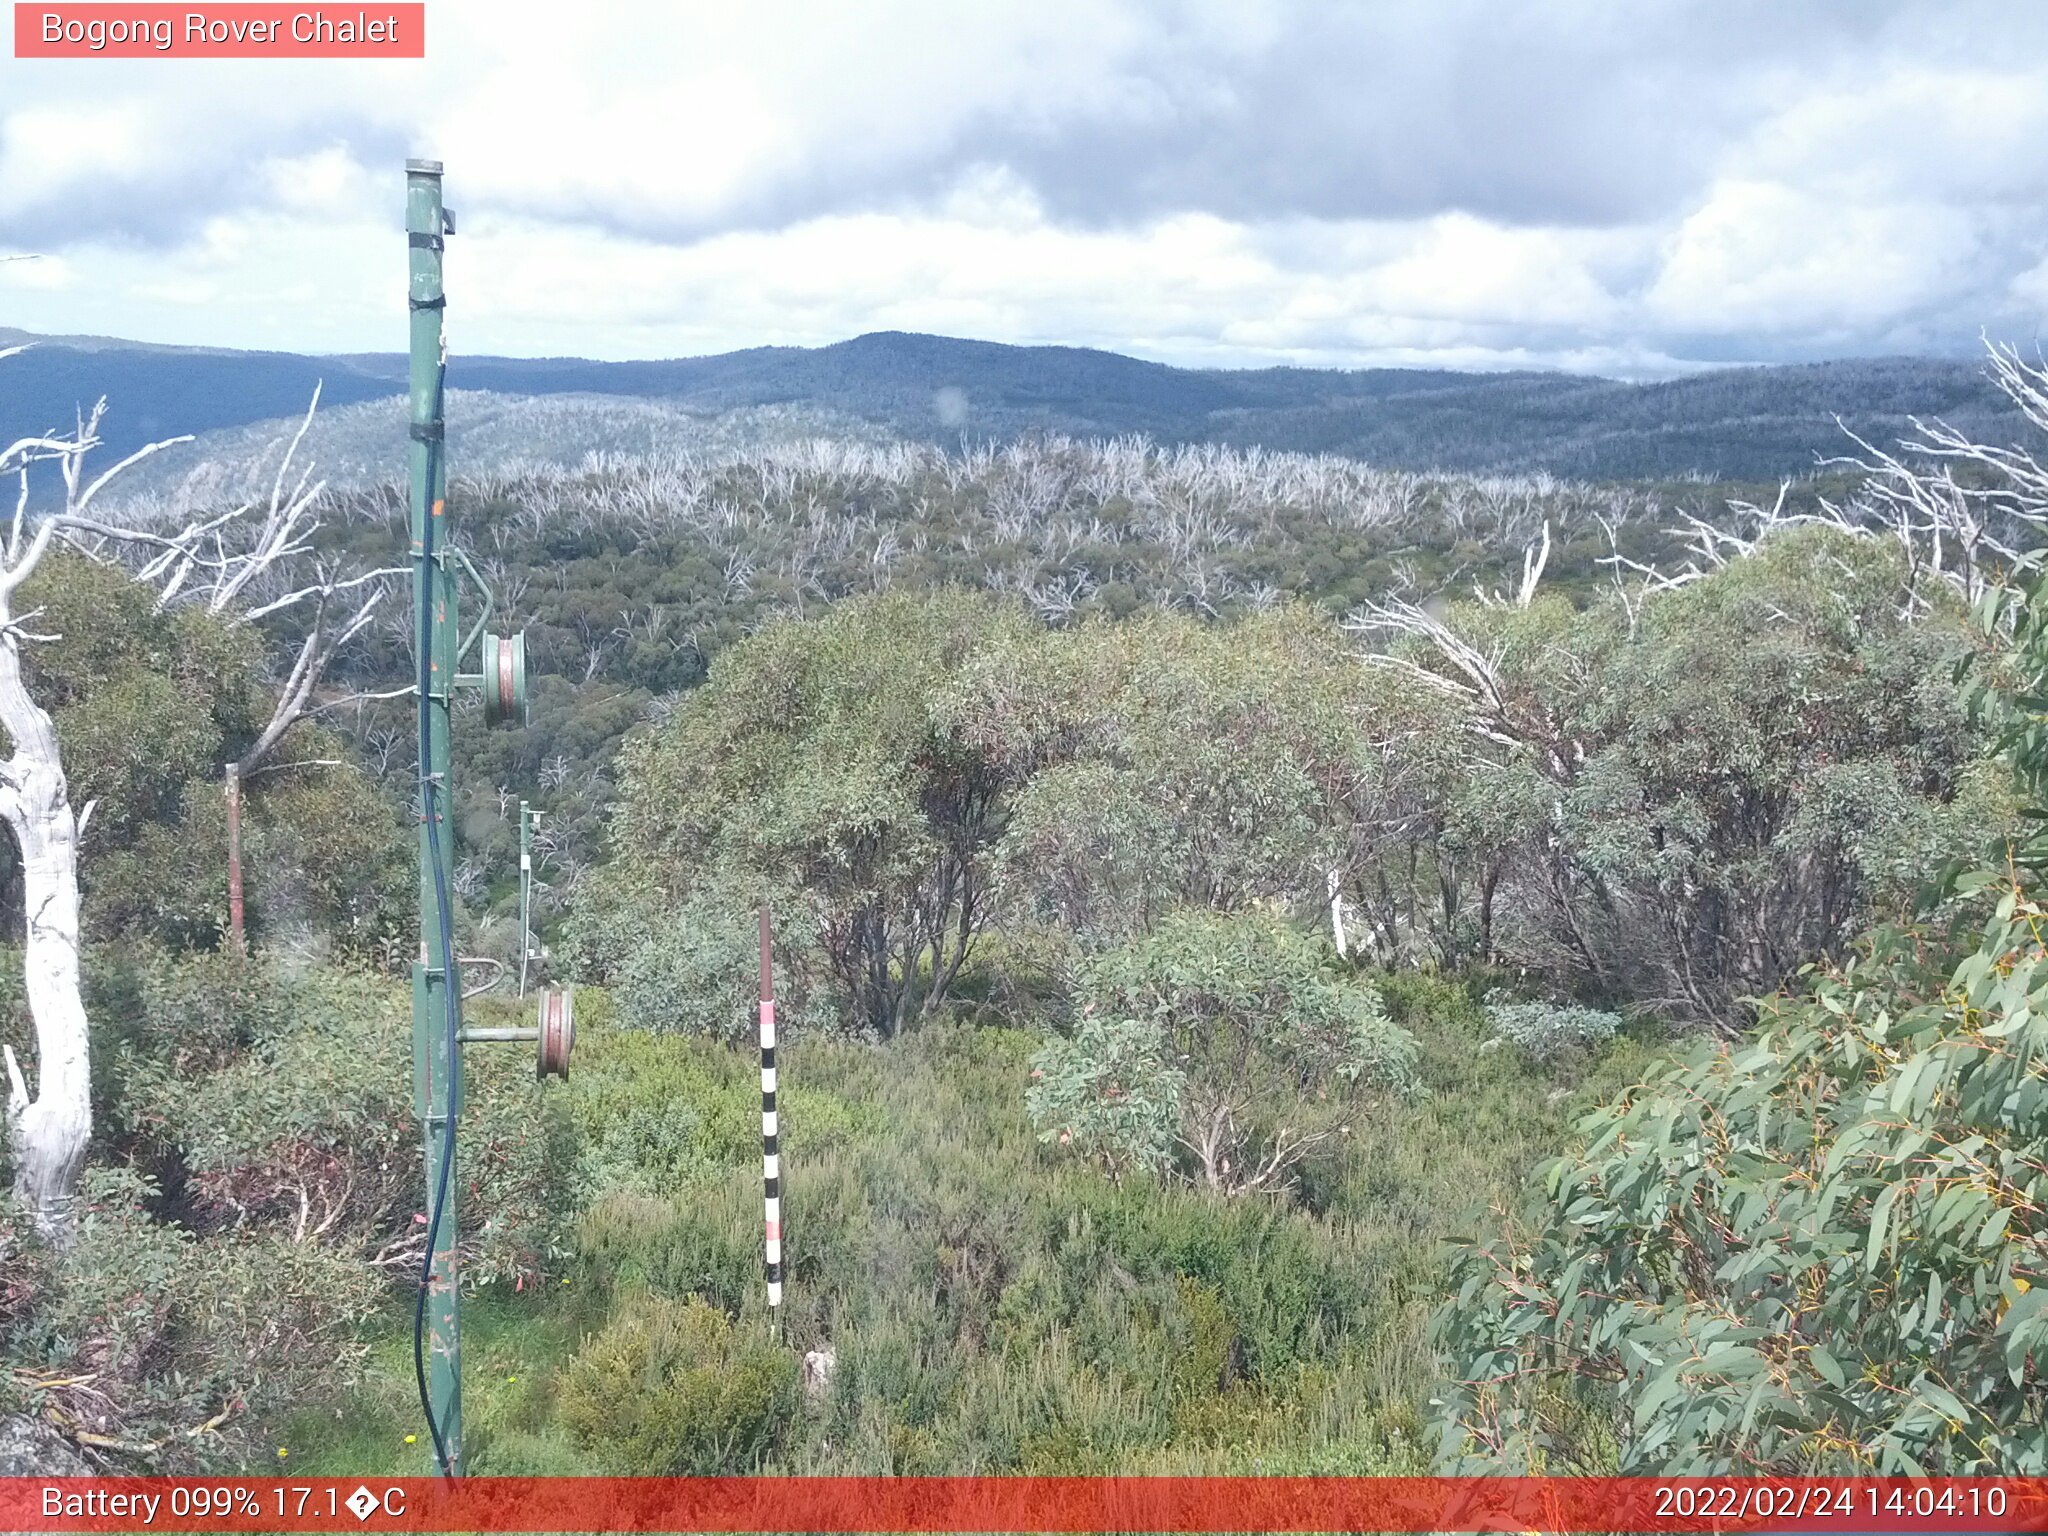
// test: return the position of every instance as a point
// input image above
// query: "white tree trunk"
(1336, 888)
(49, 1131)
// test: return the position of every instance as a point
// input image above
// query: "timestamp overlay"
(993, 1504)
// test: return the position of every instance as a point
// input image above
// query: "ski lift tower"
(439, 569)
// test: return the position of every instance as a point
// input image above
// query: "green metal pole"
(437, 1062)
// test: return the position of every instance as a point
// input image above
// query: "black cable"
(428, 797)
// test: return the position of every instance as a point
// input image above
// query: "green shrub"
(656, 1115)
(280, 1098)
(1206, 1354)
(846, 756)
(1111, 1092)
(1816, 1249)
(707, 1244)
(995, 1306)
(672, 1388)
(1230, 1035)
(1548, 1031)
(182, 1014)
(689, 964)
(175, 1348)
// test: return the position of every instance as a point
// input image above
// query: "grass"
(513, 1349)
(993, 1304)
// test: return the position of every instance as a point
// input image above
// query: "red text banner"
(998, 1504)
(220, 31)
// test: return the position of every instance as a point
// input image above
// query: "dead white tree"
(333, 609)
(1472, 675)
(1534, 559)
(218, 558)
(49, 1128)
(1963, 514)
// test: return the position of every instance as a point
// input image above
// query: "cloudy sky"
(1621, 186)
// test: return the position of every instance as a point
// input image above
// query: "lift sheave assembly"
(439, 569)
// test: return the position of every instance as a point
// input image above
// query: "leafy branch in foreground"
(1817, 1249)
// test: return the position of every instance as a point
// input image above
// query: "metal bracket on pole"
(553, 1037)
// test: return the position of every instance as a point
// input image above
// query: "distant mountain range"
(1743, 424)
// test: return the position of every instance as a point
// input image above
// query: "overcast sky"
(1625, 187)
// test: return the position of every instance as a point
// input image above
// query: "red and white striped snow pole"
(771, 1159)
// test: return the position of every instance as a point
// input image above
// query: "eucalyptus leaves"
(1225, 1045)
(1820, 1248)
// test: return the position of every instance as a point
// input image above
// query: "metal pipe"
(498, 1033)
(437, 1056)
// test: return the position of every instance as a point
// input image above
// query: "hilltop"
(1743, 424)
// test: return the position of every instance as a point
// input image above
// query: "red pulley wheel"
(503, 683)
(508, 685)
(557, 1032)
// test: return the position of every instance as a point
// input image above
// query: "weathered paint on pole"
(437, 1059)
(771, 1155)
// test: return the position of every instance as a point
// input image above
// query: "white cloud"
(47, 150)
(1582, 185)
(1461, 268)
(46, 273)
(1760, 257)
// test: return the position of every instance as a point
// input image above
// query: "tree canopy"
(1817, 1248)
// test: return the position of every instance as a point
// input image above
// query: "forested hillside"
(631, 574)
(1732, 424)
(1255, 933)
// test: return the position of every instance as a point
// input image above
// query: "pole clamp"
(437, 303)
(429, 431)
(419, 240)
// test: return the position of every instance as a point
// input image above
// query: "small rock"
(31, 1448)
(818, 1364)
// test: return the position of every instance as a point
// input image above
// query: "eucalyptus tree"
(1819, 1248)
(1814, 1250)
(1714, 782)
(1226, 1042)
(1198, 765)
(832, 761)
(235, 562)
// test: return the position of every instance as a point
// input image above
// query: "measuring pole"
(771, 1156)
(437, 1056)
(529, 828)
(525, 894)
